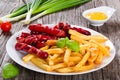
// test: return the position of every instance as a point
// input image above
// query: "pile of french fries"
(63, 60)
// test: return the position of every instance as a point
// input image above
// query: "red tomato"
(6, 26)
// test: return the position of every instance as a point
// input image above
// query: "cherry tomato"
(6, 26)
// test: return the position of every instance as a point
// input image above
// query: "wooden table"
(111, 29)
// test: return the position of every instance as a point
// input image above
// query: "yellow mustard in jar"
(97, 16)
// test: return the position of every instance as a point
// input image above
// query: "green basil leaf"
(9, 71)
(62, 42)
(73, 45)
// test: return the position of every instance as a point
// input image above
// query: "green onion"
(60, 6)
(48, 5)
(40, 8)
(35, 4)
(18, 12)
(17, 18)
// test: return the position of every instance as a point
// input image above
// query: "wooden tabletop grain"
(111, 29)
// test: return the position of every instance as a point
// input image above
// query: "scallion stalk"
(21, 10)
(19, 13)
(35, 4)
(41, 8)
(60, 6)
(48, 5)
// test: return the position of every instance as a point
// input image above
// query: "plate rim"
(73, 73)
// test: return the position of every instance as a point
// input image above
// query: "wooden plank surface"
(111, 29)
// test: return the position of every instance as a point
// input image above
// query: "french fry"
(71, 64)
(99, 58)
(75, 58)
(57, 66)
(86, 67)
(50, 62)
(44, 48)
(108, 48)
(67, 55)
(51, 42)
(78, 39)
(93, 55)
(83, 61)
(98, 38)
(74, 54)
(55, 51)
(58, 60)
(54, 56)
(83, 48)
(81, 37)
(41, 65)
(73, 32)
(65, 70)
(40, 60)
(52, 47)
(102, 48)
(28, 57)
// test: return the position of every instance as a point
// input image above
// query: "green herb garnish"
(9, 71)
(71, 44)
(62, 42)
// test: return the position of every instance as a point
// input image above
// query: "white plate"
(17, 57)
